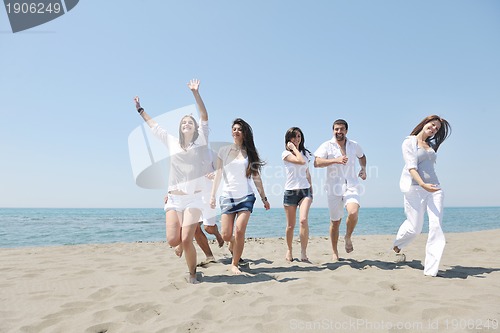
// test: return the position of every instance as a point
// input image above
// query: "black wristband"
(264, 199)
(140, 110)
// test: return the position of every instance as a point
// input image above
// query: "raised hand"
(290, 145)
(137, 103)
(194, 84)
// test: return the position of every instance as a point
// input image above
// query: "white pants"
(416, 202)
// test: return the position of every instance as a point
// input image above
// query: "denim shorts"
(230, 205)
(294, 197)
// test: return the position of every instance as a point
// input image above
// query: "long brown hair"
(254, 161)
(292, 133)
(181, 136)
(437, 139)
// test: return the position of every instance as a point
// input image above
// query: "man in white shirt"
(338, 155)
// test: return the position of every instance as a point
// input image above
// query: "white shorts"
(336, 203)
(208, 214)
(181, 202)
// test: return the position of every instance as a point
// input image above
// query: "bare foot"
(192, 279)
(289, 256)
(208, 260)
(304, 258)
(178, 250)
(348, 245)
(235, 270)
(335, 257)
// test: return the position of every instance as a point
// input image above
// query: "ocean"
(29, 227)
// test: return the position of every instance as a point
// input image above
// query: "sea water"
(47, 226)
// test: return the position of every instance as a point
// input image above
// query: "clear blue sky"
(67, 88)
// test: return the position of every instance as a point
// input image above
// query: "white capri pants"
(416, 202)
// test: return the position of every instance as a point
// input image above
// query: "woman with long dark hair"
(422, 191)
(298, 189)
(186, 179)
(238, 164)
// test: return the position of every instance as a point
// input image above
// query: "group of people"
(194, 180)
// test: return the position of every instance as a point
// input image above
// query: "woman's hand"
(290, 145)
(267, 206)
(137, 103)
(194, 84)
(430, 187)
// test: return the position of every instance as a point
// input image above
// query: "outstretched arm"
(151, 123)
(194, 85)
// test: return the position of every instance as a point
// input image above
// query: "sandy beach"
(140, 287)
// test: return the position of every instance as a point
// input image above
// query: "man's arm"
(324, 162)
(362, 163)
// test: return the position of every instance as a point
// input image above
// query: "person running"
(185, 185)
(298, 189)
(238, 164)
(338, 155)
(422, 191)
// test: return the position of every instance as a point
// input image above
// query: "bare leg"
(352, 220)
(239, 239)
(290, 213)
(227, 226)
(173, 228)
(227, 223)
(190, 218)
(202, 241)
(213, 230)
(230, 245)
(304, 205)
(334, 238)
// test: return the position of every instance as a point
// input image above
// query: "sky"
(67, 90)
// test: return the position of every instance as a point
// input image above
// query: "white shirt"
(296, 174)
(236, 183)
(340, 174)
(410, 156)
(187, 169)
